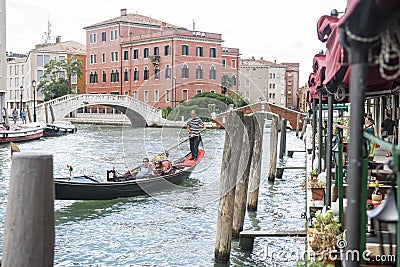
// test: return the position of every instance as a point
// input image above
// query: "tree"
(226, 83)
(56, 80)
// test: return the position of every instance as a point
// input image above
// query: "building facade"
(263, 80)
(22, 70)
(154, 61)
(3, 88)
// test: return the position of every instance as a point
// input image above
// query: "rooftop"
(135, 19)
(67, 46)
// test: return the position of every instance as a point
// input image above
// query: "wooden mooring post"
(255, 169)
(243, 173)
(273, 149)
(229, 169)
(282, 146)
(29, 225)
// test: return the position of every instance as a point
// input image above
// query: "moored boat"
(124, 185)
(20, 133)
(58, 128)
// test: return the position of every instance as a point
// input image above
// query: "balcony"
(155, 59)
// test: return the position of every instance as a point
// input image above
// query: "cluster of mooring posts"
(241, 175)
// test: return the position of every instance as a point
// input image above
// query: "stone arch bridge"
(139, 113)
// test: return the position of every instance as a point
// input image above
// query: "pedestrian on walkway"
(4, 114)
(23, 116)
(15, 115)
(388, 131)
(370, 128)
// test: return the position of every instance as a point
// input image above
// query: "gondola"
(124, 185)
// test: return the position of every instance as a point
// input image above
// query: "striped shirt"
(195, 124)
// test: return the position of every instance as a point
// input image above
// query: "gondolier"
(194, 125)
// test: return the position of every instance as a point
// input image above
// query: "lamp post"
(34, 99)
(21, 89)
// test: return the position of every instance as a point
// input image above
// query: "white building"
(265, 80)
(3, 88)
(21, 71)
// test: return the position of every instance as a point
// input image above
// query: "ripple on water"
(172, 228)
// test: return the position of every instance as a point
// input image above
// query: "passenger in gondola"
(145, 169)
(159, 169)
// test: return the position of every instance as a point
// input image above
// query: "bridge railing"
(77, 99)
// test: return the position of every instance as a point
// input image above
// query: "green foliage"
(226, 83)
(166, 111)
(55, 81)
(325, 232)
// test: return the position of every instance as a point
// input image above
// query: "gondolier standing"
(193, 125)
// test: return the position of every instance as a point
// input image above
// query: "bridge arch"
(139, 113)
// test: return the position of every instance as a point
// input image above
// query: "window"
(156, 95)
(156, 51)
(213, 73)
(114, 56)
(146, 53)
(224, 63)
(136, 74)
(93, 59)
(199, 72)
(146, 73)
(16, 82)
(103, 36)
(126, 76)
(22, 69)
(39, 76)
(74, 89)
(146, 96)
(247, 83)
(233, 79)
(103, 58)
(185, 95)
(22, 80)
(114, 76)
(213, 52)
(96, 80)
(199, 91)
(212, 91)
(273, 76)
(39, 59)
(16, 69)
(185, 71)
(199, 51)
(114, 35)
(234, 63)
(273, 86)
(60, 58)
(74, 78)
(91, 77)
(135, 95)
(167, 50)
(104, 76)
(167, 95)
(135, 53)
(185, 50)
(10, 83)
(92, 38)
(167, 72)
(156, 73)
(126, 55)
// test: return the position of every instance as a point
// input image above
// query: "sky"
(282, 30)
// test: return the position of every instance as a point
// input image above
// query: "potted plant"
(317, 189)
(325, 236)
(314, 174)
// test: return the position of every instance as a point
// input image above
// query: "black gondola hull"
(69, 190)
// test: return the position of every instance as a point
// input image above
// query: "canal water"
(173, 228)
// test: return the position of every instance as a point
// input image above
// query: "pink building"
(154, 61)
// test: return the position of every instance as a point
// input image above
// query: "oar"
(187, 139)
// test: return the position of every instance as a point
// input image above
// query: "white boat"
(58, 128)
(19, 133)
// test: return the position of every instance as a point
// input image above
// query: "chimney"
(58, 39)
(123, 12)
